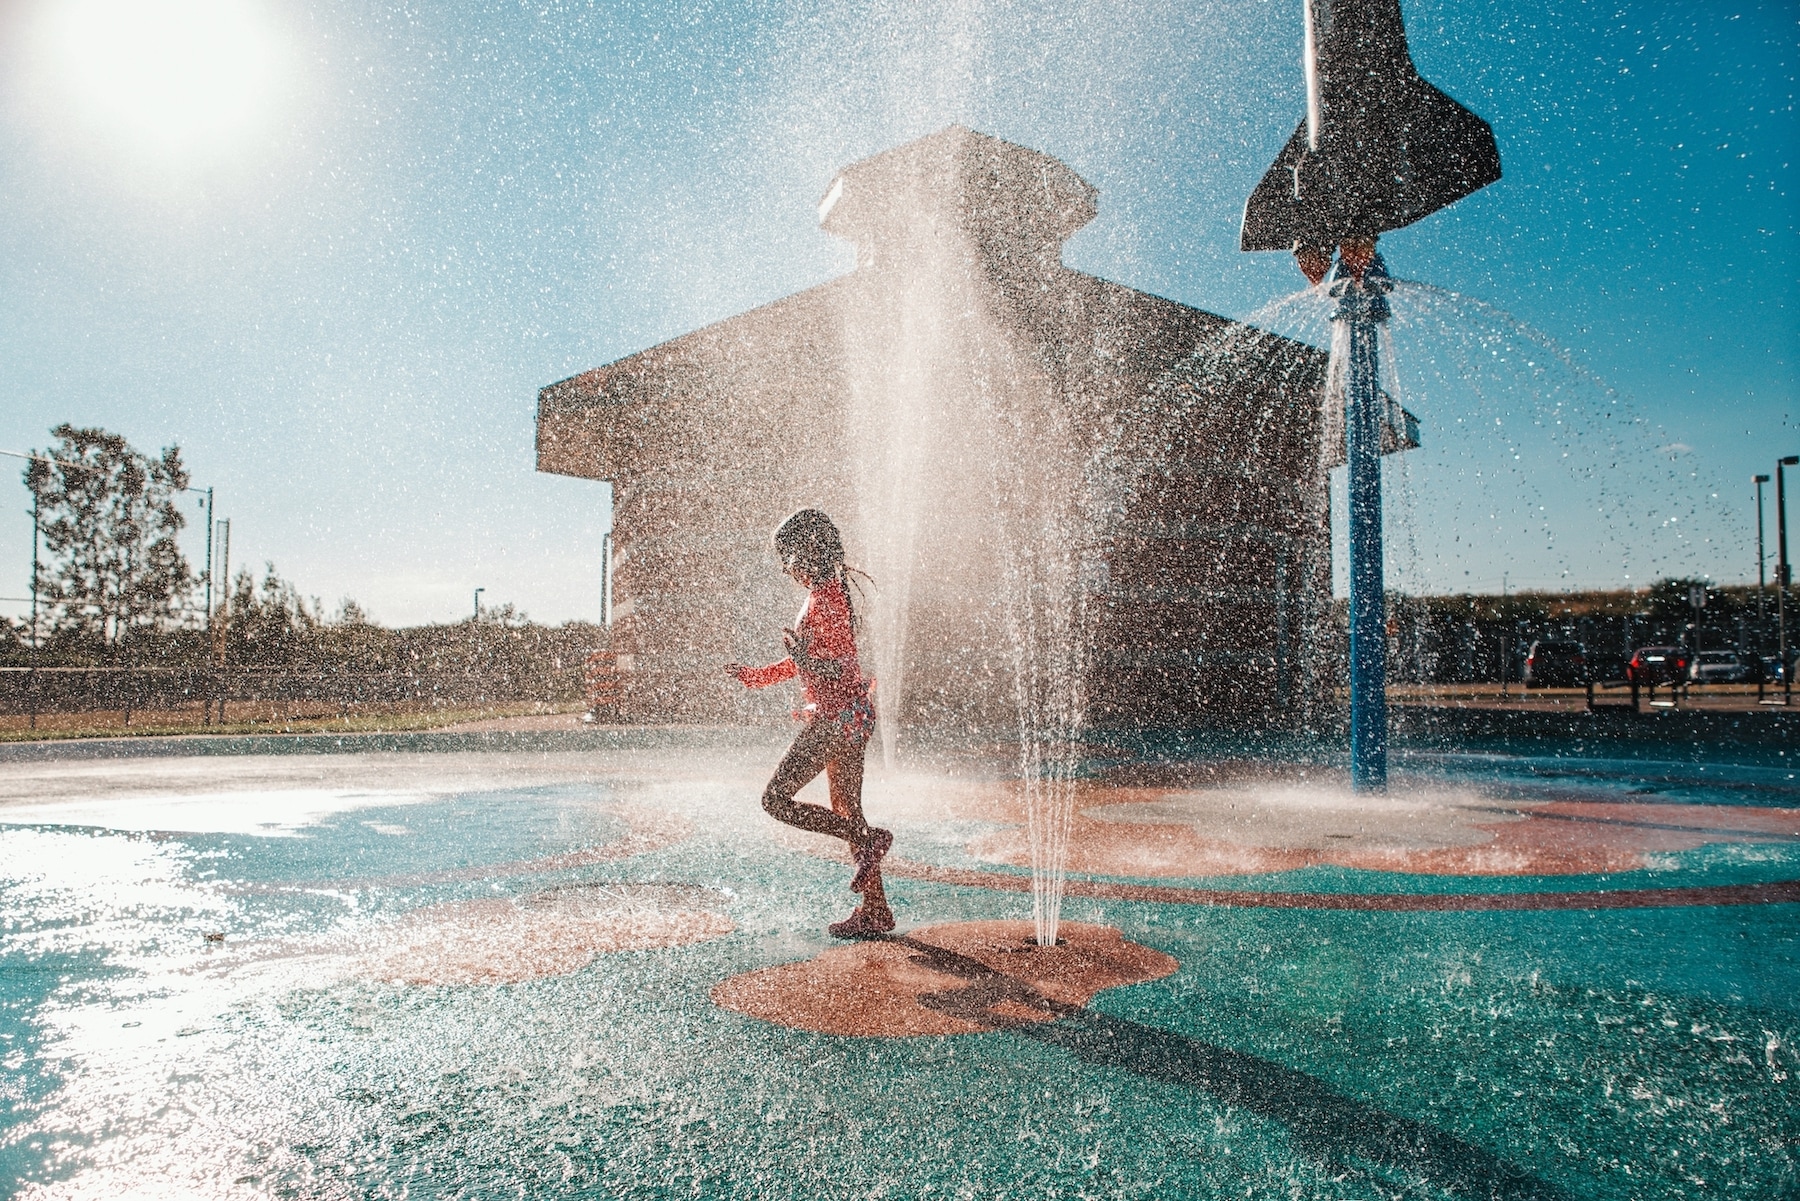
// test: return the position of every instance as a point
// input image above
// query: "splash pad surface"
(492, 972)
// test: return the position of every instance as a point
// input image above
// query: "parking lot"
(1728, 698)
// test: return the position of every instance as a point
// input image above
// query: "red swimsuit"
(845, 700)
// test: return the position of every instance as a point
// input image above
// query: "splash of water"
(1530, 463)
(1082, 475)
(998, 468)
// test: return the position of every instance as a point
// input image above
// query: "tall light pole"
(1784, 573)
(208, 644)
(208, 502)
(222, 530)
(207, 494)
(1762, 575)
(478, 593)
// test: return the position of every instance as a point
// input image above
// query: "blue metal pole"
(1362, 308)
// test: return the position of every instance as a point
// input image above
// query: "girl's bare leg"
(875, 896)
(845, 774)
(814, 751)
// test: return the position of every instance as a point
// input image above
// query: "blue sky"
(340, 296)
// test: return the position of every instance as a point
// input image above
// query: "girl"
(839, 717)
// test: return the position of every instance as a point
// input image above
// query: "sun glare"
(169, 76)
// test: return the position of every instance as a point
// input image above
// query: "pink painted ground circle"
(957, 978)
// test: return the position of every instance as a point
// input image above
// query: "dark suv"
(1653, 665)
(1551, 664)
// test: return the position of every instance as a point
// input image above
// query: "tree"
(109, 517)
(270, 623)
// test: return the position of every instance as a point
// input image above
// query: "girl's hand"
(735, 671)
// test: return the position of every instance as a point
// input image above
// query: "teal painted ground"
(1295, 1054)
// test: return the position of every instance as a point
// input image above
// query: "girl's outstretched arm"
(761, 677)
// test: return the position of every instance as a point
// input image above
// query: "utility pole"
(478, 593)
(209, 557)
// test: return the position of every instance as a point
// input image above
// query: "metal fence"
(204, 690)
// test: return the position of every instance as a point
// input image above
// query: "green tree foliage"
(270, 622)
(110, 516)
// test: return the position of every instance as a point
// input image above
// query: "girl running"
(838, 714)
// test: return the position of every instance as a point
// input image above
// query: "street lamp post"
(1762, 591)
(209, 554)
(208, 502)
(478, 593)
(1762, 575)
(1784, 573)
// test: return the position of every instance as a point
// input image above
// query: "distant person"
(838, 712)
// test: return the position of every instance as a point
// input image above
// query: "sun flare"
(171, 76)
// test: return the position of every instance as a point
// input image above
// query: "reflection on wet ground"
(605, 974)
(500, 941)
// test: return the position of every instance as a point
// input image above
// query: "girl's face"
(791, 567)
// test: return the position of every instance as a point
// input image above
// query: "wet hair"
(809, 541)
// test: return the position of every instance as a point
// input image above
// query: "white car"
(1720, 667)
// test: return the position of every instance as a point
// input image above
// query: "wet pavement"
(486, 966)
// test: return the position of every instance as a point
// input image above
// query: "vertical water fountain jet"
(1378, 149)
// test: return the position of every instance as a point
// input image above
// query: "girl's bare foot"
(868, 859)
(864, 923)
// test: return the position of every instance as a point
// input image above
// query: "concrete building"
(967, 407)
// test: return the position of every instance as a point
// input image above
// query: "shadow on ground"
(1326, 1126)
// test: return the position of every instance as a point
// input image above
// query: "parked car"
(1551, 664)
(1721, 667)
(1653, 665)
